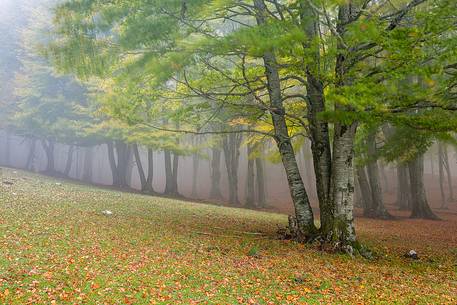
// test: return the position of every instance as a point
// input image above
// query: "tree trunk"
(215, 192)
(319, 129)
(146, 182)
(377, 209)
(448, 172)
(358, 200)
(118, 154)
(175, 174)
(365, 191)
(304, 217)
(69, 163)
(310, 176)
(113, 164)
(260, 179)
(171, 173)
(168, 172)
(88, 164)
(342, 235)
(382, 170)
(195, 166)
(129, 165)
(31, 157)
(123, 153)
(149, 189)
(420, 207)
(441, 175)
(139, 165)
(231, 145)
(403, 188)
(343, 232)
(250, 178)
(48, 146)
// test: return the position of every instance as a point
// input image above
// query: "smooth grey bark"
(420, 206)
(215, 165)
(69, 162)
(88, 164)
(304, 217)
(319, 129)
(403, 187)
(377, 209)
(231, 146)
(250, 178)
(343, 231)
(342, 183)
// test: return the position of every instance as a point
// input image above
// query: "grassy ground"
(58, 248)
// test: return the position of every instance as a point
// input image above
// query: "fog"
(228, 152)
(15, 151)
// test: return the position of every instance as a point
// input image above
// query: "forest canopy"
(360, 80)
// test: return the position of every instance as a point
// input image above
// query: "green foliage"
(46, 105)
(216, 63)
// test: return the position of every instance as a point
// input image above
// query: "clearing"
(57, 247)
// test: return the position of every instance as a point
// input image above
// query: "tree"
(420, 206)
(340, 65)
(377, 208)
(46, 106)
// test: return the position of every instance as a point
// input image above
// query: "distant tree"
(310, 68)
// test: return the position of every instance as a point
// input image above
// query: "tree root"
(325, 242)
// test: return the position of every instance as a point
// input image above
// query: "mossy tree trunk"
(304, 217)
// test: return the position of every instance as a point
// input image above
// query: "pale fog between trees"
(228, 152)
(320, 111)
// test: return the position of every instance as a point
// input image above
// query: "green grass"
(58, 248)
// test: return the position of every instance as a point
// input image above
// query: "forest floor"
(57, 247)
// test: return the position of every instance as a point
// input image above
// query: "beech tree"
(281, 69)
(47, 107)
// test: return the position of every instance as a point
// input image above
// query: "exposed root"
(325, 242)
